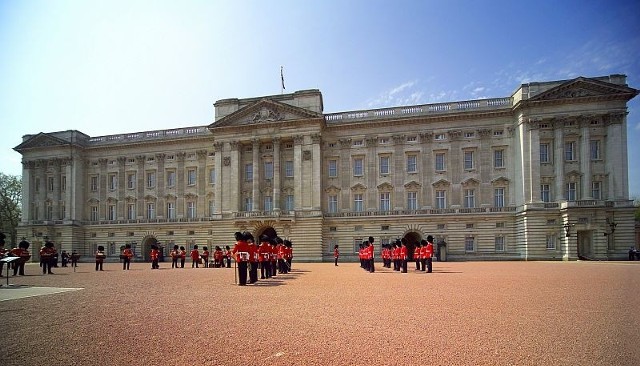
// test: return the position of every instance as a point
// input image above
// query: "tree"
(10, 205)
(636, 203)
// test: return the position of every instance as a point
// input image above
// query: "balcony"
(427, 212)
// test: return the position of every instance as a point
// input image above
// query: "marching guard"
(241, 251)
(100, 256)
(126, 255)
(46, 257)
(21, 251)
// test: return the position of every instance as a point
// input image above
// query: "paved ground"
(486, 313)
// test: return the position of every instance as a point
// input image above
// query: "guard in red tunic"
(127, 255)
(429, 254)
(205, 257)
(336, 254)
(47, 254)
(21, 251)
(175, 255)
(195, 257)
(183, 256)
(371, 255)
(274, 255)
(241, 252)
(100, 256)
(403, 254)
(3, 252)
(396, 255)
(155, 257)
(218, 256)
(264, 257)
(416, 255)
(228, 255)
(288, 254)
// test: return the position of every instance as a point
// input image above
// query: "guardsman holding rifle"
(21, 251)
(46, 257)
(241, 252)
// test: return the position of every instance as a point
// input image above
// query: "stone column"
(121, 204)
(218, 146)
(42, 195)
(532, 172)
(297, 171)
(276, 174)
(255, 184)
(316, 184)
(141, 178)
(235, 177)
(370, 171)
(160, 186)
(345, 174)
(616, 157)
(27, 190)
(558, 159)
(103, 188)
(56, 189)
(397, 174)
(428, 170)
(71, 192)
(201, 182)
(180, 185)
(455, 168)
(585, 159)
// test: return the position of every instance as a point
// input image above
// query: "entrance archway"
(585, 247)
(146, 247)
(412, 238)
(268, 231)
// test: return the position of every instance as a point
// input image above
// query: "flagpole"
(282, 80)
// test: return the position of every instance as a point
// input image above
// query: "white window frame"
(498, 158)
(441, 198)
(384, 165)
(191, 177)
(358, 202)
(498, 197)
(333, 168)
(171, 210)
(332, 204)
(412, 200)
(288, 169)
(412, 163)
(440, 162)
(358, 167)
(469, 198)
(385, 201)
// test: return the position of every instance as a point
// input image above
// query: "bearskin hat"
(24, 244)
(100, 248)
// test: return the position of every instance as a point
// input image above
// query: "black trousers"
(429, 265)
(228, 262)
(174, 263)
(404, 266)
(424, 264)
(242, 273)
(253, 272)
(18, 267)
(46, 265)
(417, 264)
(265, 270)
(98, 265)
(182, 262)
(336, 261)
(125, 263)
(372, 265)
(274, 268)
(154, 264)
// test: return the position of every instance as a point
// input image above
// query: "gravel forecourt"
(465, 313)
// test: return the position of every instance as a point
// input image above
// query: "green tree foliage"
(636, 203)
(10, 205)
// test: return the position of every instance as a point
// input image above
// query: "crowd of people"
(272, 256)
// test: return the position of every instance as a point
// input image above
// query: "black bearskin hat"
(128, 246)
(100, 248)
(48, 244)
(238, 235)
(430, 239)
(23, 244)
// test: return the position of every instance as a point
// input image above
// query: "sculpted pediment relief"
(385, 187)
(264, 111)
(41, 140)
(332, 189)
(358, 188)
(441, 183)
(412, 185)
(582, 88)
(500, 181)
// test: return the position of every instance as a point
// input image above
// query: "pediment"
(500, 181)
(332, 189)
(584, 88)
(385, 187)
(470, 182)
(264, 111)
(574, 174)
(412, 185)
(40, 140)
(358, 188)
(441, 183)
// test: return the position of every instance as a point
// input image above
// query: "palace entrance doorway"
(146, 247)
(412, 238)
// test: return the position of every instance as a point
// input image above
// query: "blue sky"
(108, 67)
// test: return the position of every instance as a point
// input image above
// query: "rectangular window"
(288, 202)
(50, 184)
(93, 184)
(499, 243)
(440, 162)
(468, 160)
(439, 137)
(441, 199)
(212, 176)
(131, 211)
(469, 198)
(171, 178)
(191, 210)
(498, 158)
(594, 147)
(545, 192)
(551, 242)
(384, 165)
(151, 179)
(498, 197)
(191, 177)
(268, 170)
(544, 153)
(37, 184)
(358, 203)
(151, 210)
(356, 244)
(248, 172)
(412, 164)
(94, 213)
(571, 191)
(131, 180)
(288, 169)
(49, 211)
(63, 210)
(64, 183)
(268, 203)
(248, 204)
(333, 204)
(171, 210)
(596, 190)
(358, 164)
(412, 200)
(570, 151)
(385, 201)
(113, 182)
(333, 168)
(112, 212)
(469, 244)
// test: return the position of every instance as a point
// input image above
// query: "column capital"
(426, 136)
(316, 138)
(202, 154)
(234, 145)
(160, 157)
(298, 139)
(345, 143)
(121, 160)
(371, 141)
(217, 146)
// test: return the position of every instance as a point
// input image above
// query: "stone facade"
(541, 174)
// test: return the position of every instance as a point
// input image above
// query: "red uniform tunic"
(205, 255)
(127, 252)
(403, 253)
(217, 255)
(195, 254)
(241, 251)
(183, 254)
(47, 253)
(336, 253)
(429, 251)
(264, 252)
(155, 254)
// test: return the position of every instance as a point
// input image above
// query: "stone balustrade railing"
(425, 109)
(150, 135)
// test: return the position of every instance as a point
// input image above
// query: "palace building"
(541, 174)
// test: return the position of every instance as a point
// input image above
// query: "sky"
(111, 67)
